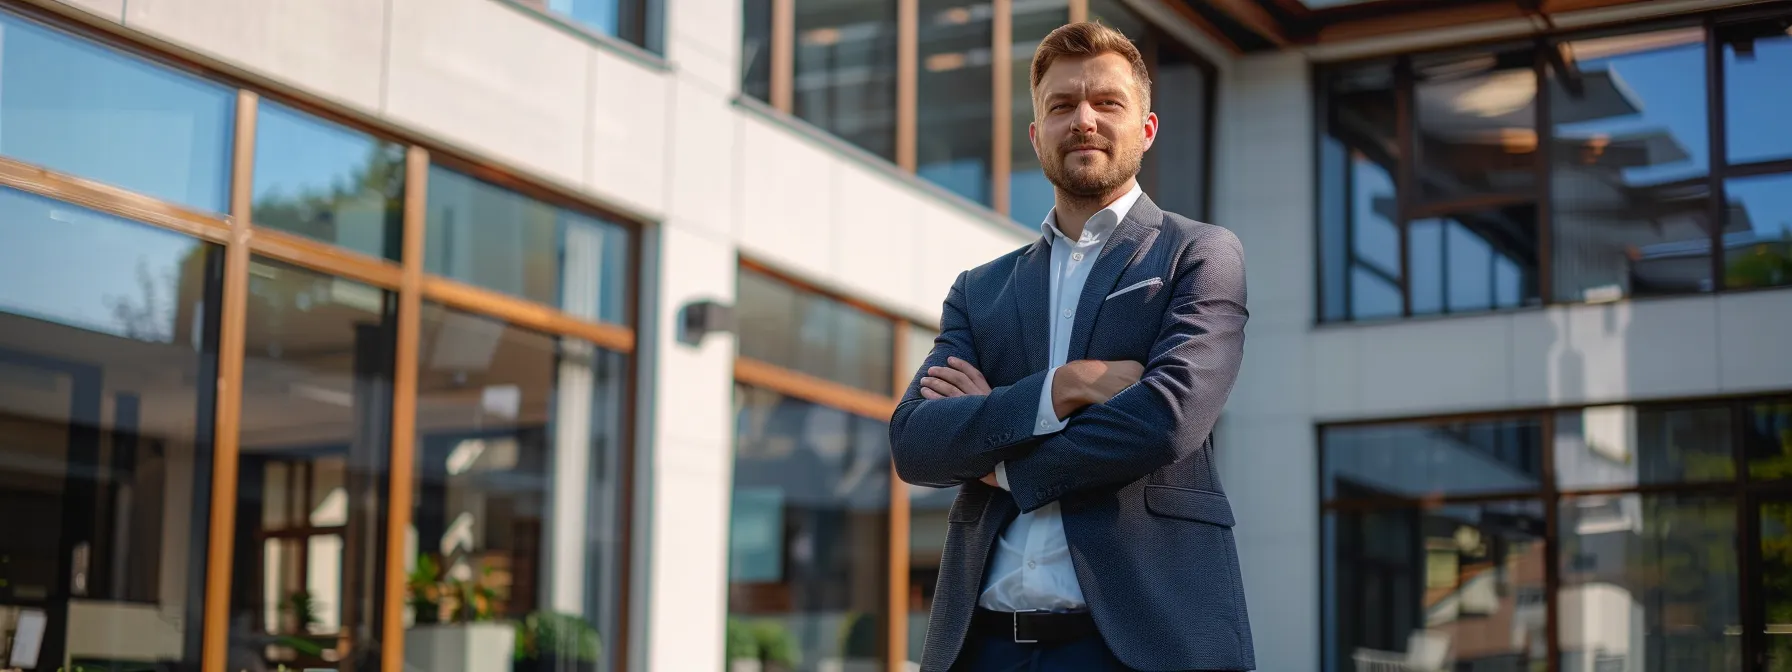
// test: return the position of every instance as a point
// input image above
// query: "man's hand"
(959, 378)
(989, 479)
(1087, 382)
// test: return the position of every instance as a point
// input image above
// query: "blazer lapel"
(1032, 304)
(1129, 241)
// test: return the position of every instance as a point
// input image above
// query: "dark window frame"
(1412, 206)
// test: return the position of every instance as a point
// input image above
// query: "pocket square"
(1137, 285)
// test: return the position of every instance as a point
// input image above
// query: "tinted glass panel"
(846, 70)
(107, 361)
(756, 49)
(1359, 238)
(312, 477)
(1648, 582)
(1176, 165)
(1757, 65)
(956, 100)
(1631, 205)
(625, 19)
(809, 537)
(1767, 439)
(326, 182)
(1459, 587)
(1476, 123)
(518, 512)
(1413, 460)
(1030, 195)
(80, 108)
(814, 334)
(1474, 261)
(1758, 232)
(486, 235)
(1775, 535)
(1621, 446)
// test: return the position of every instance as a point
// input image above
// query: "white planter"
(745, 665)
(466, 647)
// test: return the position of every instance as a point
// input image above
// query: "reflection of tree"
(1683, 568)
(147, 320)
(312, 210)
(1765, 264)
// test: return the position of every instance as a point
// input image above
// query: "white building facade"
(604, 304)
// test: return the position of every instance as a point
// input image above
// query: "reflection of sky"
(296, 153)
(1757, 98)
(67, 264)
(1768, 201)
(1668, 87)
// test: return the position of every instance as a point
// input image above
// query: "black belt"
(1033, 627)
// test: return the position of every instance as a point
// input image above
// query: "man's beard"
(1093, 183)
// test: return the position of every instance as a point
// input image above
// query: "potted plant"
(760, 646)
(456, 628)
(551, 642)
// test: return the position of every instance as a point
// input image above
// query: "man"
(1072, 392)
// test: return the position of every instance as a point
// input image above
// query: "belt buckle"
(1017, 639)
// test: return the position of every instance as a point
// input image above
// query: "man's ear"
(1150, 129)
(1033, 137)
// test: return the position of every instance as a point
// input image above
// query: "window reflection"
(326, 182)
(814, 334)
(1453, 587)
(1476, 123)
(1631, 204)
(624, 19)
(1758, 233)
(809, 538)
(1359, 236)
(846, 70)
(1030, 195)
(516, 535)
(1623, 446)
(74, 106)
(108, 350)
(955, 100)
(315, 437)
(1648, 582)
(1176, 166)
(1444, 458)
(756, 49)
(1767, 439)
(486, 235)
(1474, 261)
(1757, 64)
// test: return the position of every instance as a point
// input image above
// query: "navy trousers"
(1001, 654)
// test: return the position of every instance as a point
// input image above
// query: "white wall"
(660, 139)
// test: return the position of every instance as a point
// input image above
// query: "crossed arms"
(944, 434)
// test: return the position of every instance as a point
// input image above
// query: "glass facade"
(1580, 168)
(636, 22)
(1449, 542)
(163, 316)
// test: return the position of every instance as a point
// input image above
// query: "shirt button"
(1067, 313)
(1076, 256)
(1032, 565)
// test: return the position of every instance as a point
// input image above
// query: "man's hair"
(1087, 39)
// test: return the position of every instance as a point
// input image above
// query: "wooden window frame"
(241, 241)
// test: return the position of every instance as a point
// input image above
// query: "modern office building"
(479, 335)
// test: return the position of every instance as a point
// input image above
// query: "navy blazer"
(1149, 527)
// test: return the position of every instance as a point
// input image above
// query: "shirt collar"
(1102, 223)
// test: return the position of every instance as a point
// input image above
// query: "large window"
(1579, 168)
(637, 22)
(964, 129)
(1448, 546)
(262, 407)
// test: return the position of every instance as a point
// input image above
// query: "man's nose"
(1084, 119)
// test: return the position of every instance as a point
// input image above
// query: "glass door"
(1773, 572)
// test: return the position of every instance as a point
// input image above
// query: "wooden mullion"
(534, 316)
(403, 464)
(114, 201)
(783, 84)
(897, 609)
(908, 73)
(812, 389)
(325, 258)
(1002, 126)
(1079, 11)
(232, 316)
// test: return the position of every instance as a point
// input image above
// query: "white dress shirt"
(1031, 566)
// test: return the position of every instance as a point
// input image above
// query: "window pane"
(814, 334)
(1030, 195)
(1622, 446)
(956, 99)
(1476, 121)
(326, 182)
(77, 107)
(846, 70)
(1433, 459)
(928, 509)
(311, 484)
(1775, 535)
(1459, 587)
(518, 497)
(1648, 582)
(108, 349)
(1177, 163)
(1631, 204)
(919, 346)
(1758, 231)
(483, 234)
(1359, 237)
(1757, 65)
(1475, 261)
(809, 540)
(1767, 439)
(756, 49)
(624, 19)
